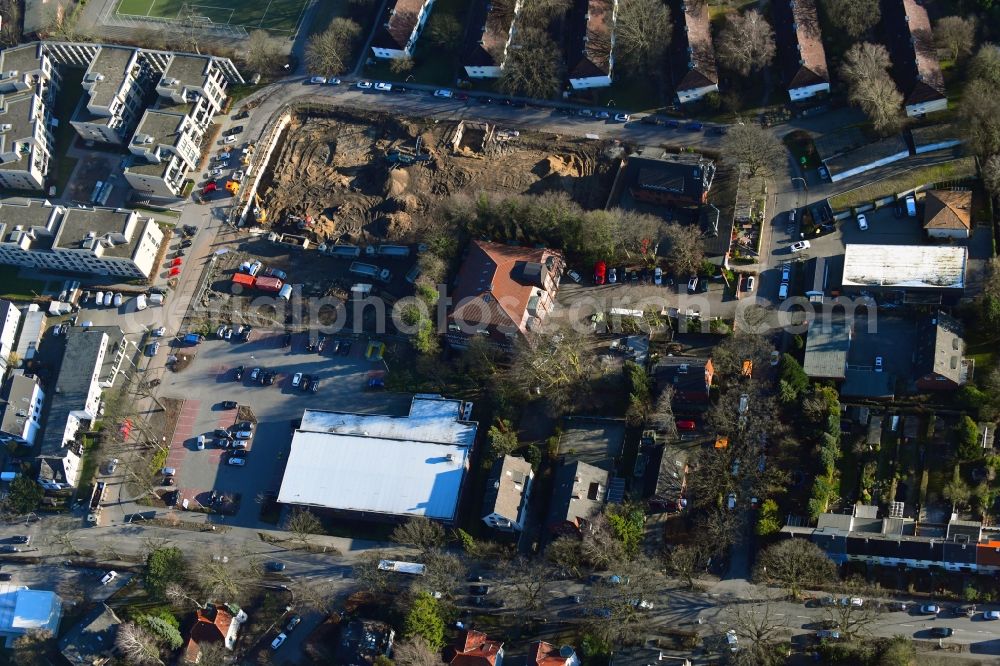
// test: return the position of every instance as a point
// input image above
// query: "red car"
(686, 425)
(600, 271)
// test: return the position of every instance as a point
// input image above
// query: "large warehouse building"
(372, 466)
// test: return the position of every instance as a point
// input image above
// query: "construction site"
(341, 176)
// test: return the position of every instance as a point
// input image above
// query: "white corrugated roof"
(374, 474)
(431, 419)
(913, 266)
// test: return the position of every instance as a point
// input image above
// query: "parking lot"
(209, 380)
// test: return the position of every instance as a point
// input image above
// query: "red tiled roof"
(489, 290)
(913, 52)
(545, 654)
(211, 625)
(988, 553)
(948, 209)
(702, 71)
(401, 23)
(477, 650)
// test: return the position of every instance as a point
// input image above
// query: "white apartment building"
(10, 320)
(487, 52)
(76, 400)
(28, 82)
(398, 36)
(99, 241)
(115, 84)
(167, 145)
(21, 410)
(196, 80)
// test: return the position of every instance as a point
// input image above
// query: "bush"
(533, 455)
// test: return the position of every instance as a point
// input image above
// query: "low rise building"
(166, 146)
(92, 641)
(28, 84)
(503, 293)
(800, 48)
(929, 138)
(927, 274)
(372, 466)
(32, 330)
(216, 623)
(842, 164)
(115, 84)
(827, 344)
(591, 55)
(692, 62)
(915, 65)
(23, 399)
(98, 241)
(508, 489)
(670, 488)
(23, 610)
(541, 653)
(671, 179)
(490, 38)
(476, 649)
(579, 495)
(399, 34)
(690, 378)
(10, 322)
(940, 363)
(948, 213)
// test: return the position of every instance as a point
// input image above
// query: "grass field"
(273, 15)
(952, 170)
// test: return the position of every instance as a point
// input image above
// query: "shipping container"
(244, 279)
(269, 284)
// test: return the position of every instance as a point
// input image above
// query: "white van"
(156, 299)
(140, 302)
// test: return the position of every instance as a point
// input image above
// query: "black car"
(345, 347)
(4, 576)
(242, 425)
(170, 499)
(246, 333)
(238, 453)
(239, 372)
(314, 386)
(268, 378)
(310, 346)
(336, 347)
(287, 340)
(236, 130)
(275, 566)
(262, 376)
(306, 382)
(9, 549)
(229, 404)
(187, 242)
(21, 539)
(942, 632)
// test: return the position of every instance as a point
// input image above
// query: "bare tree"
(136, 645)
(795, 563)
(534, 65)
(991, 175)
(526, 581)
(685, 253)
(327, 53)
(759, 627)
(216, 654)
(540, 12)
(444, 572)
(555, 364)
(686, 561)
(957, 35)
(746, 43)
(986, 64)
(600, 547)
(642, 32)
(855, 17)
(759, 149)
(662, 417)
(10, 30)
(179, 595)
(620, 604)
(262, 53)
(870, 86)
(224, 579)
(979, 112)
(420, 533)
(400, 66)
(853, 613)
(369, 575)
(415, 651)
(303, 523)
(565, 554)
(30, 648)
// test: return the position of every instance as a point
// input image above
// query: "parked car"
(152, 349)
(237, 461)
(692, 284)
(318, 80)
(345, 347)
(292, 623)
(200, 442)
(383, 86)
(658, 276)
(748, 284)
(447, 94)
(275, 566)
(911, 205)
(244, 434)
(613, 276)
(238, 374)
(278, 641)
(229, 404)
(800, 246)
(862, 222)
(991, 615)
(695, 127)
(333, 82)
(108, 577)
(24, 539)
(600, 272)
(622, 117)
(108, 297)
(930, 609)
(112, 466)
(942, 632)
(254, 374)
(823, 173)
(878, 364)
(159, 332)
(828, 635)
(364, 85)
(686, 424)
(296, 379)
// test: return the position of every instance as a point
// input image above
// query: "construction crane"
(259, 212)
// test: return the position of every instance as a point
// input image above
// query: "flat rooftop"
(20, 59)
(160, 127)
(112, 63)
(78, 224)
(595, 441)
(387, 465)
(189, 71)
(76, 372)
(21, 117)
(905, 266)
(893, 146)
(827, 345)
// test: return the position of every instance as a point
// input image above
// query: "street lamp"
(611, 102)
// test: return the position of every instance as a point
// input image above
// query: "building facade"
(10, 322)
(115, 86)
(28, 85)
(398, 36)
(97, 241)
(20, 419)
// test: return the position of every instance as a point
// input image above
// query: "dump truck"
(370, 271)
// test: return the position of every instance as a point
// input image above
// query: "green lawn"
(15, 288)
(274, 15)
(953, 170)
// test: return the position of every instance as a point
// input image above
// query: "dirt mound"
(397, 182)
(560, 165)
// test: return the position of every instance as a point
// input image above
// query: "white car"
(278, 641)
(296, 379)
(800, 246)
(383, 86)
(107, 298)
(159, 332)
(991, 615)
(731, 501)
(215, 173)
(140, 302)
(862, 222)
(108, 577)
(364, 85)
(200, 444)
(732, 640)
(117, 300)
(574, 276)
(318, 80)
(748, 284)
(622, 117)
(878, 364)
(238, 176)
(99, 298)
(230, 139)
(447, 94)
(219, 332)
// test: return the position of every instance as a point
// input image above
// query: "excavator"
(258, 211)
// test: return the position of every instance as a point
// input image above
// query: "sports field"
(273, 15)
